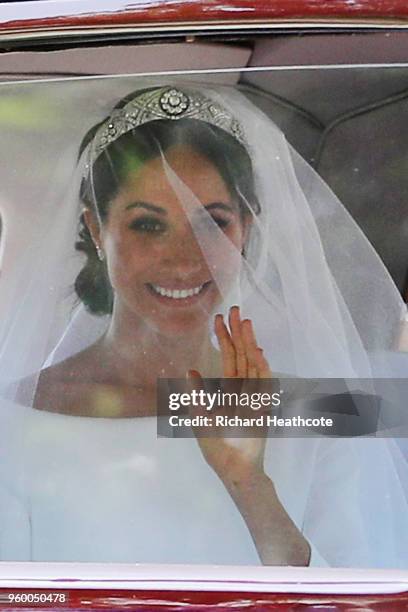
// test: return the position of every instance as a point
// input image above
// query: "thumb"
(193, 374)
(194, 380)
(194, 383)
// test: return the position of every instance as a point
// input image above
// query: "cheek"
(225, 257)
(230, 248)
(235, 234)
(127, 259)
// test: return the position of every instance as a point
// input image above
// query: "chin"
(181, 326)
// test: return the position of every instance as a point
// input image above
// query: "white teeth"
(177, 294)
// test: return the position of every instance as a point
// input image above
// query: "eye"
(222, 222)
(209, 222)
(148, 225)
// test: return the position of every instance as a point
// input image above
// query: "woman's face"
(155, 264)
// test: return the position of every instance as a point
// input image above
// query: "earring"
(100, 253)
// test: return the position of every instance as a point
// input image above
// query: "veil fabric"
(321, 301)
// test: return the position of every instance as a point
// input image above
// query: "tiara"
(158, 104)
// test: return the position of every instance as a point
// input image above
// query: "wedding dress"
(109, 490)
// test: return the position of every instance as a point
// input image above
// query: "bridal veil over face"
(321, 301)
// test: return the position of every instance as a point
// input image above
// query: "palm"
(241, 358)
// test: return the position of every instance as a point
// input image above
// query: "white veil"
(332, 302)
(322, 303)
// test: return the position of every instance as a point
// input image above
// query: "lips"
(178, 294)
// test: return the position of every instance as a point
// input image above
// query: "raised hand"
(239, 461)
(235, 457)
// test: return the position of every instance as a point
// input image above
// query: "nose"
(183, 256)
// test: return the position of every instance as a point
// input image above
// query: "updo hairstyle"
(131, 150)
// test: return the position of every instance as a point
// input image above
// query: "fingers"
(251, 347)
(237, 339)
(228, 355)
(264, 371)
(241, 355)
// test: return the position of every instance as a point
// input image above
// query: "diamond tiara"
(157, 104)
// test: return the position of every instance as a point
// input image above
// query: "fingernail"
(193, 374)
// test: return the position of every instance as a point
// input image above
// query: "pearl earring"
(100, 253)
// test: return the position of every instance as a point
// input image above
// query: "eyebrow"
(157, 209)
(163, 211)
(226, 207)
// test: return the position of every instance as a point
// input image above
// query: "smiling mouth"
(178, 294)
